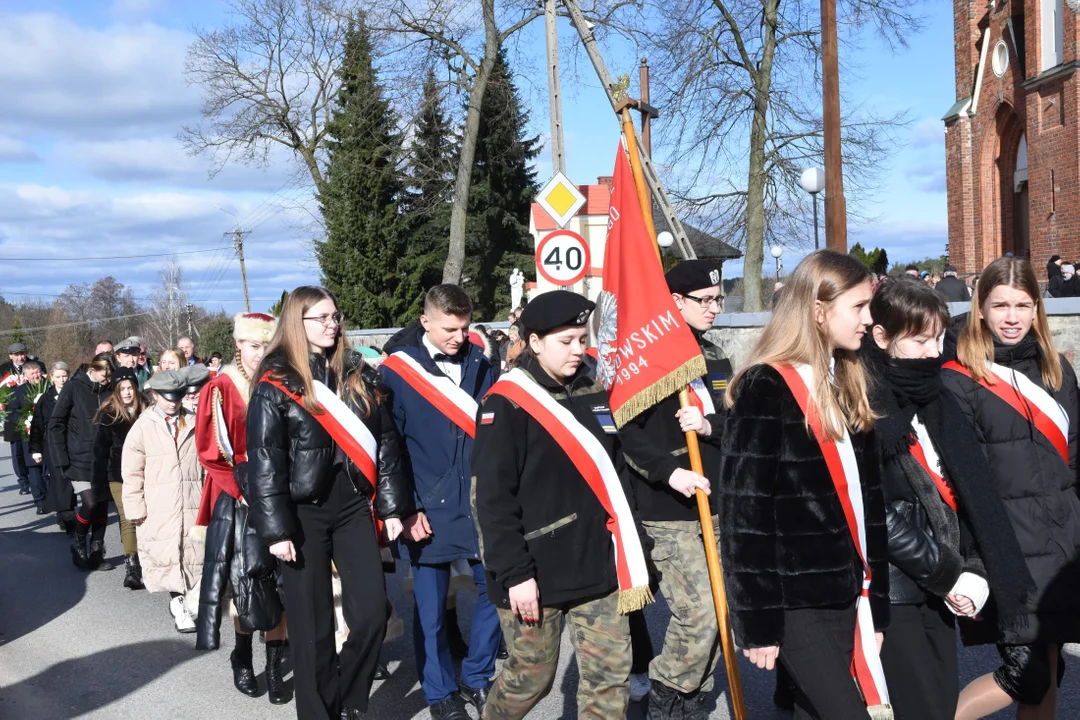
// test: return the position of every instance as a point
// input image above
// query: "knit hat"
(254, 326)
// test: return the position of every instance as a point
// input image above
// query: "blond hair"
(793, 336)
(975, 346)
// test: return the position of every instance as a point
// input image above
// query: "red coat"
(215, 431)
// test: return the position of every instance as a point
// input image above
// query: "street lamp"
(665, 240)
(813, 182)
(777, 251)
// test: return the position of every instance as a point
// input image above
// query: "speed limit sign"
(562, 257)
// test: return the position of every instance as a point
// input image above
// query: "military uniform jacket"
(535, 513)
(655, 447)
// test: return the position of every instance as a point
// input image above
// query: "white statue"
(517, 286)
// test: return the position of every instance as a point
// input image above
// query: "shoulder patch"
(487, 418)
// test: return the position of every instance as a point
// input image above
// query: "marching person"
(31, 375)
(322, 446)
(436, 377)
(664, 485)
(171, 359)
(1021, 396)
(162, 484)
(143, 368)
(802, 520)
(59, 497)
(950, 540)
(112, 422)
(13, 369)
(549, 499)
(221, 438)
(70, 439)
(127, 353)
(187, 347)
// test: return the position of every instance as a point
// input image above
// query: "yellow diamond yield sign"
(561, 199)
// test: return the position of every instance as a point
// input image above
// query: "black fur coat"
(783, 537)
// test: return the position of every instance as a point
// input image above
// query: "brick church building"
(1012, 139)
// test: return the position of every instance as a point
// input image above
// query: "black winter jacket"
(655, 447)
(109, 447)
(953, 289)
(1038, 487)
(42, 412)
(291, 457)
(783, 536)
(535, 514)
(71, 427)
(14, 412)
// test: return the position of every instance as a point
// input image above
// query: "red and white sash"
(1030, 400)
(347, 430)
(442, 392)
(593, 462)
(701, 397)
(844, 470)
(923, 451)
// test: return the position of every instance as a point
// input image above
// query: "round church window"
(1000, 61)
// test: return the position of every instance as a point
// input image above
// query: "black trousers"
(817, 650)
(919, 659)
(640, 643)
(339, 529)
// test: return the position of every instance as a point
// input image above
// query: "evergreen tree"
(427, 202)
(365, 230)
(503, 188)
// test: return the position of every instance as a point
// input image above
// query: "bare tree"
(740, 84)
(167, 320)
(268, 80)
(102, 310)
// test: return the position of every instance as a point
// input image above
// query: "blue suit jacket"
(439, 452)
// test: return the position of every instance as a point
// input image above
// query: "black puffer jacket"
(1037, 486)
(783, 535)
(71, 427)
(109, 447)
(291, 456)
(42, 412)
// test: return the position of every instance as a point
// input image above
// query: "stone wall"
(736, 333)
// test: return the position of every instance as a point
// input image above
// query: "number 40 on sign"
(562, 257)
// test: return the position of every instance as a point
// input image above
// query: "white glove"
(36, 457)
(974, 587)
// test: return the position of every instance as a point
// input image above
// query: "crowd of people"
(879, 473)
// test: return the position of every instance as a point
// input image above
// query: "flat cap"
(950, 268)
(170, 384)
(128, 346)
(691, 275)
(556, 309)
(16, 348)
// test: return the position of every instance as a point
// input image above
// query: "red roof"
(597, 202)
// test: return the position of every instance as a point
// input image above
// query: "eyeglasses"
(327, 320)
(705, 301)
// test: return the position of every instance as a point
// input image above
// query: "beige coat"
(163, 483)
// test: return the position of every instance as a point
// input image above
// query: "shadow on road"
(83, 685)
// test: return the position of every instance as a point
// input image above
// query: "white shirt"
(450, 368)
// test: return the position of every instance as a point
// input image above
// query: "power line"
(72, 324)
(106, 257)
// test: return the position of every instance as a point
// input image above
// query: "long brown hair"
(975, 346)
(291, 343)
(793, 335)
(113, 410)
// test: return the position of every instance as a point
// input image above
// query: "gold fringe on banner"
(666, 386)
(634, 599)
(880, 712)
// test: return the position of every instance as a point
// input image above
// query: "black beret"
(691, 275)
(556, 309)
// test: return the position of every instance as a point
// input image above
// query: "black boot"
(459, 649)
(693, 706)
(78, 552)
(275, 684)
(97, 556)
(242, 672)
(664, 703)
(133, 578)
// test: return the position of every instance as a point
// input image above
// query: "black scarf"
(902, 388)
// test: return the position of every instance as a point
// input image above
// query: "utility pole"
(558, 149)
(189, 308)
(835, 204)
(646, 116)
(238, 245)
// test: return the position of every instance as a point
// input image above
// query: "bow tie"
(443, 357)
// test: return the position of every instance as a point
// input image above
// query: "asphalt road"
(78, 645)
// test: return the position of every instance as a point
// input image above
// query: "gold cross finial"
(621, 87)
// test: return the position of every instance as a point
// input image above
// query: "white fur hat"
(254, 326)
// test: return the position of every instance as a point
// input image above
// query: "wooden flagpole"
(708, 536)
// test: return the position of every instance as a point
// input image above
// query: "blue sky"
(89, 164)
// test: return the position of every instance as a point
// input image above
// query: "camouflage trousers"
(601, 639)
(692, 642)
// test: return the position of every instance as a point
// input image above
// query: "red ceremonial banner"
(646, 351)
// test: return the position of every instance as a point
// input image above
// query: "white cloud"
(13, 150)
(928, 132)
(57, 77)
